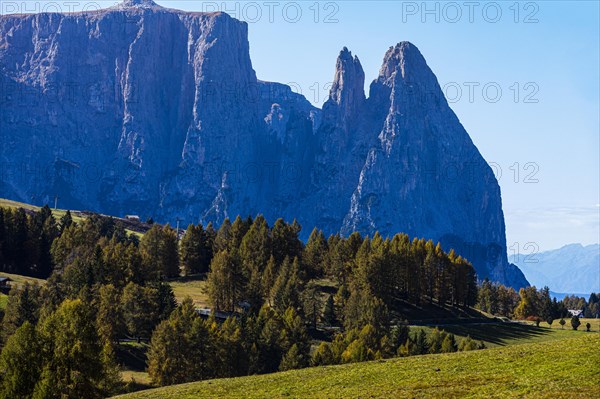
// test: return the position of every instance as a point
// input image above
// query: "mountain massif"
(152, 111)
(572, 269)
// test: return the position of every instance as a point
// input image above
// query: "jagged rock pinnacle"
(173, 127)
(404, 57)
(347, 91)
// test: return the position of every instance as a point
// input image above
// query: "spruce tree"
(312, 304)
(329, 311)
(193, 251)
(225, 281)
(75, 366)
(315, 253)
(292, 359)
(21, 363)
(169, 357)
(23, 305)
(322, 356)
(448, 344)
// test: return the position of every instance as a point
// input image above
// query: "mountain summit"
(161, 114)
(139, 3)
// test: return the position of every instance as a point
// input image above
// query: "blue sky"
(543, 56)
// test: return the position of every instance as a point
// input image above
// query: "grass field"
(566, 368)
(194, 287)
(503, 334)
(595, 324)
(493, 335)
(57, 213)
(19, 280)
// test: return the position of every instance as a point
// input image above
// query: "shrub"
(575, 323)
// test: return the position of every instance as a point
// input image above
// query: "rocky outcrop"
(146, 110)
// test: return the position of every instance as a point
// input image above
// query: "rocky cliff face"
(146, 110)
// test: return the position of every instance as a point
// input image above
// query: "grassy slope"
(503, 334)
(493, 335)
(57, 213)
(194, 287)
(566, 368)
(18, 280)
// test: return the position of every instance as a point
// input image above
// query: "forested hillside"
(276, 303)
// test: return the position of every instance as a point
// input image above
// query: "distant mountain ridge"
(572, 269)
(140, 109)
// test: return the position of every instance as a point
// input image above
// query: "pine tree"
(435, 340)
(329, 311)
(225, 281)
(232, 360)
(159, 251)
(312, 304)
(23, 305)
(293, 359)
(323, 355)
(294, 332)
(76, 368)
(356, 352)
(363, 308)
(170, 252)
(21, 362)
(169, 360)
(270, 348)
(449, 344)
(285, 240)
(420, 341)
(255, 251)
(194, 251)
(140, 310)
(545, 304)
(238, 230)
(222, 238)
(399, 335)
(315, 253)
(527, 305)
(467, 344)
(268, 279)
(109, 317)
(285, 291)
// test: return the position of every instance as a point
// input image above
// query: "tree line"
(533, 304)
(253, 263)
(25, 241)
(105, 285)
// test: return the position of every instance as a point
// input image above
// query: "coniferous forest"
(269, 310)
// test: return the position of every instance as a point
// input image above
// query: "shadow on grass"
(497, 333)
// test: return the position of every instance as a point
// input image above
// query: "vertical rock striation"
(147, 110)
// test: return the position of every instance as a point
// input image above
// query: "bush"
(575, 323)
(588, 326)
(562, 323)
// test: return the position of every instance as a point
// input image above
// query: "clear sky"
(543, 56)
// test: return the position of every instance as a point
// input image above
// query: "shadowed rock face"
(146, 110)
